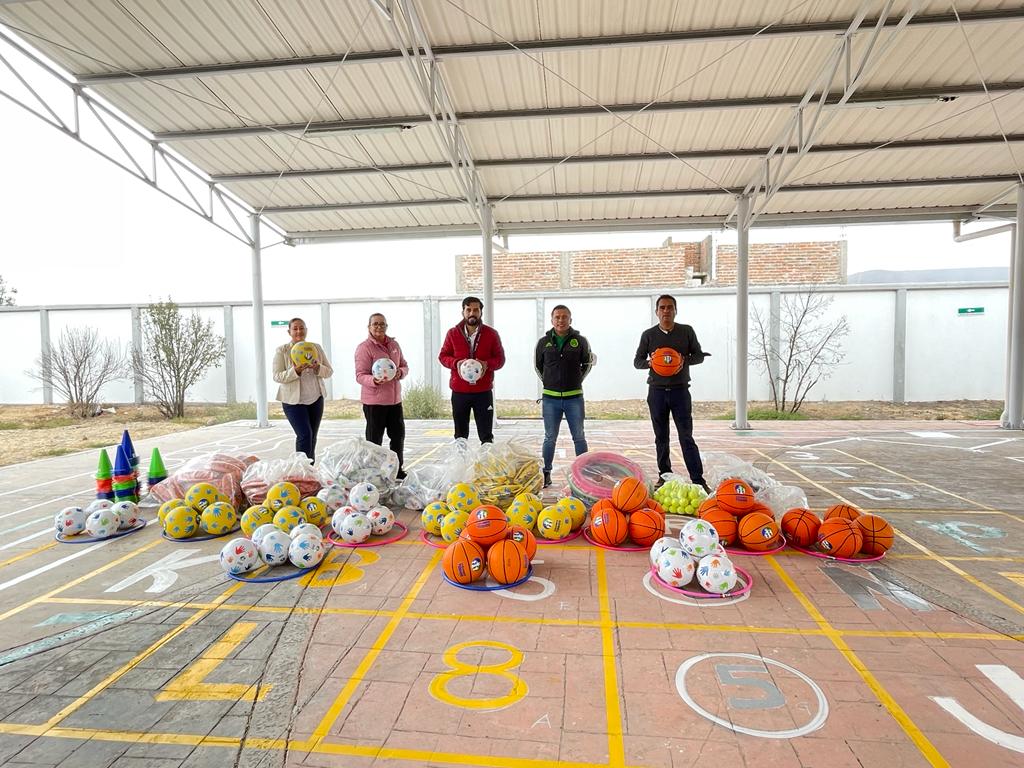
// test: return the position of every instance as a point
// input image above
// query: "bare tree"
(6, 293)
(810, 346)
(176, 353)
(78, 366)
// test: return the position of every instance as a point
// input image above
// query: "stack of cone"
(156, 472)
(104, 477)
(133, 459)
(126, 480)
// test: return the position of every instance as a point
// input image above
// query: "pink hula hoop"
(541, 541)
(431, 541)
(755, 553)
(593, 489)
(634, 548)
(709, 596)
(370, 542)
(823, 556)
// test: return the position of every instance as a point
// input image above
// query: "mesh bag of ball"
(678, 496)
(489, 545)
(221, 470)
(296, 469)
(503, 470)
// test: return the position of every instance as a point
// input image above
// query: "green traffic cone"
(156, 465)
(103, 469)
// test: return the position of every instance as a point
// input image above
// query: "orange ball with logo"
(629, 495)
(463, 561)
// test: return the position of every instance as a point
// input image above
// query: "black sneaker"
(703, 485)
(400, 475)
(547, 479)
(661, 482)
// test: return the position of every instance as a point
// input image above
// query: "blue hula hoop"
(469, 587)
(75, 540)
(207, 537)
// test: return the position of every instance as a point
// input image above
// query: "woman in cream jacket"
(302, 389)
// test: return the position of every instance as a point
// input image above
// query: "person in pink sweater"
(381, 398)
(472, 340)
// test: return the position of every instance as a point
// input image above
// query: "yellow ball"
(254, 517)
(453, 524)
(288, 517)
(524, 510)
(180, 522)
(553, 523)
(575, 508)
(304, 353)
(463, 497)
(201, 495)
(218, 518)
(167, 506)
(314, 509)
(282, 495)
(433, 515)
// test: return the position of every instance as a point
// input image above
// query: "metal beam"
(649, 157)
(452, 52)
(865, 99)
(637, 194)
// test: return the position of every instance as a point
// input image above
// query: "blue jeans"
(552, 408)
(305, 420)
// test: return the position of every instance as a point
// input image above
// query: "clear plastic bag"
(430, 482)
(721, 466)
(782, 498)
(354, 460)
(221, 470)
(505, 469)
(296, 469)
(678, 496)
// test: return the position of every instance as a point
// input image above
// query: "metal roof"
(568, 115)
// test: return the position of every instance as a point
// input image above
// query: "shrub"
(422, 401)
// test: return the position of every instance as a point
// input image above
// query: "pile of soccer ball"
(363, 516)
(697, 554)
(488, 544)
(629, 513)
(101, 519)
(679, 498)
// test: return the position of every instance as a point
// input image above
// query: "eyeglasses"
(379, 325)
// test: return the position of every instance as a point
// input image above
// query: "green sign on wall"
(274, 323)
(971, 311)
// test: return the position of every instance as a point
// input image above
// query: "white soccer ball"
(364, 497)
(238, 556)
(70, 520)
(273, 547)
(716, 574)
(665, 542)
(102, 523)
(306, 551)
(261, 531)
(306, 529)
(356, 528)
(99, 504)
(128, 512)
(384, 368)
(698, 538)
(382, 520)
(333, 497)
(471, 370)
(675, 567)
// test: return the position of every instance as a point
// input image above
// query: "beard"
(472, 321)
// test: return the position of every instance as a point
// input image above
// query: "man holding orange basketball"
(668, 350)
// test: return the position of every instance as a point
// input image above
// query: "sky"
(79, 230)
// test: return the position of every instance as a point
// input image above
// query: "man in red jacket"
(472, 342)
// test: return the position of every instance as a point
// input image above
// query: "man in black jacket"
(562, 359)
(671, 394)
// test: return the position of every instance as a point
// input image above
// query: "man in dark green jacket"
(562, 359)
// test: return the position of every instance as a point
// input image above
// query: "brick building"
(671, 264)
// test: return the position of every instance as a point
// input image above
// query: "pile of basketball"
(630, 513)
(740, 519)
(844, 531)
(489, 545)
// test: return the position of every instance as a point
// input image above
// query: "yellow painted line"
(191, 684)
(31, 552)
(429, 453)
(335, 710)
(517, 687)
(613, 712)
(79, 580)
(1016, 578)
(426, 757)
(927, 749)
(959, 558)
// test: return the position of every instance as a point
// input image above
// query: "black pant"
(675, 401)
(391, 418)
(305, 420)
(482, 405)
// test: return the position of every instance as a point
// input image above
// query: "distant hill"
(958, 275)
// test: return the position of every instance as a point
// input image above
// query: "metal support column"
(44, 347)
(775, 337)
(899, 348)
(742, 308)
(1004, 417)
(487, 265)
(1015, 392)
(230, 391)
(257, 323)
(325, 342)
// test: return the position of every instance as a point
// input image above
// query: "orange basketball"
(645, 527)
(801, 526)
(758, 532)
(725, 524)
(735, 495)
(523, 536)
(878, 534)
(707, 505)
(488, 512)
(764, 509)
(609, 528)
(665, 361)
(844, 511)
(463, 561)
(629, 494)
(840, 537)
(507, 561)
(485, 529)
(600, 506)
(652, 504)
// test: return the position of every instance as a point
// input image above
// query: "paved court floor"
(140, 652)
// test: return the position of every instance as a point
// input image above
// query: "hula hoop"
(495, 588)
(369, 542)
(753, 553)
(541, 541)
(611, 461)
(634, 548)
(823, 556)
(273, 579)
(431, 541)
(709, 596)
(92, 540)
(207, 537)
